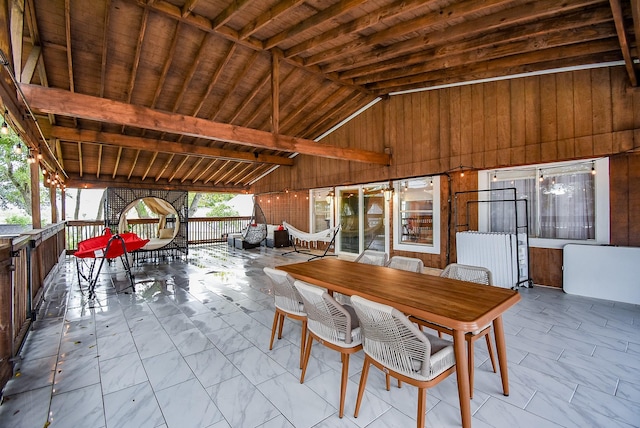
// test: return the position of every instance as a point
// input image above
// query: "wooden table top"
(459, 305)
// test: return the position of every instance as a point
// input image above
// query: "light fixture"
(330, 196)
(17, 149)
(495, 176)
(431, 181)
(593, 168)
(39, 155)
(461, 172)
(388, 192)
(31, 159)
(541, 176)
(5, 128)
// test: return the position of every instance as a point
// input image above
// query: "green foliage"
(214, 201)
(18, 219)
(15, 175)
(222, 210)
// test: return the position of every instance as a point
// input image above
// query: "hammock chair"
(256, 231)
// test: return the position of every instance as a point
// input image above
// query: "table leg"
(498, 329)
(462, 373)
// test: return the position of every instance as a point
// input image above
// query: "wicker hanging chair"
(256, 232)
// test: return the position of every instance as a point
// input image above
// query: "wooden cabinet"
(281, 238)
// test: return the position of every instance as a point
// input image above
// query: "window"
(416, 219)
(567, 201)
(321, 209)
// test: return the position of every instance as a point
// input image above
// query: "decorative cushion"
(165, 233)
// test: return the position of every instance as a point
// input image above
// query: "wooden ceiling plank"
(250, 97)
(217, 171)
(618, 18)
(235, 179)
(180, 165)
(62, 102)
(206, 169)
(234, 7)
(267, 17)
(205, 24)
(331, 100)
(477, 25)
(389, 11)
(149, 165)
(130, 142)
(115, 167)
(227, 173)
(30, 66)
(133, 164)
(450, 41)
(214, 78)
(506, 66)
(192, 71)
(239, 78)
(191, 171)
(576, 37)
(167, 65)
(318, 18)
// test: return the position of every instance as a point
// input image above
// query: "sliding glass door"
(362, 215)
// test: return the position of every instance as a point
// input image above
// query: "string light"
(495, 176)
(18, 149)
(5, 128)
(541, 176)
(593, 168)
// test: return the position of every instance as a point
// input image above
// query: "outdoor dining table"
(459, 305)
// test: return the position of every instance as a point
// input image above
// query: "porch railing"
(28, 263)
(200, 230)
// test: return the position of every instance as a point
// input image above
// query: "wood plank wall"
(573, 115)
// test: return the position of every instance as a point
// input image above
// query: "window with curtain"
(564, 200)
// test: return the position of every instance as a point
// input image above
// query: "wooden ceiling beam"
(576, 38)
(65, 103)
(214, 78)
(16, 25)
(192, 71)
(30, 66)
(91, 183)
(167, 64)
(188, 7)
(451, 41)
(250, 97)
(217, 171)
(180, 165)
(191, 170)
(330, 13)
(635, 14)
(130, 142)
(115, 167)
(136, 59)
(134, 164)
(618, 18)
(267, 17)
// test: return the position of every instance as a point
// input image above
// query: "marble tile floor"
(190, 349)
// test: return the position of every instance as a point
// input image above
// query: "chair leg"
(343, 382)
(388, 379)
(422, 407)
(363, 382)
(307, 352)
(282, 317)
(490, 349)
(273, 328)
(304, 338)
(471, 367)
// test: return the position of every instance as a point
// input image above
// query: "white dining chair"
(372, 257)
(411, 264)
(288, 305)
(479, 275)
(333, 325)
(396, 346)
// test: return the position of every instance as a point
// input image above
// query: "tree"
(215, 201)
(15, 177)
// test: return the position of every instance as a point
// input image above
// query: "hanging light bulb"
(431, 181)
(541, 176)
(31, 159)
(18, 149)
(593, 168)
(5, 128)
(39, 155)
(495, 176)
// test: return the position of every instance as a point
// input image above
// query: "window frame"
(602, 200)
(397, 232)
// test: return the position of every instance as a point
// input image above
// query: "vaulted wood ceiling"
(213, 94)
